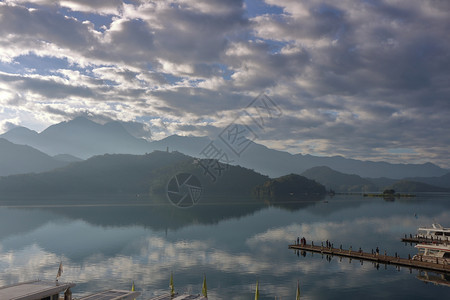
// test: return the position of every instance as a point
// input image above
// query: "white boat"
(435, 233)
(435, 253)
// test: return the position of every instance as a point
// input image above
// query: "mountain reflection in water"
(107, 242)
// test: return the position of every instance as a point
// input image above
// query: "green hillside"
(339, 182)
(20, 159)
(406, 186)
(441, 181)
(292, 185)
(124, 173)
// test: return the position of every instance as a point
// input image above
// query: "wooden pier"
(375, 258)
(423, 240)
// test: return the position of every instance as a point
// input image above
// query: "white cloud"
(185, 59)
(346, 231)
(8, 124)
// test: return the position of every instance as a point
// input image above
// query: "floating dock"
(374, 257)
(424, 240)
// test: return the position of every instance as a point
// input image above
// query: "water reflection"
(150, 212)
(435, 278)
(104, 246)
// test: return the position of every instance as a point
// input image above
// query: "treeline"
(137, 174)
(292, 185)
(109, 173)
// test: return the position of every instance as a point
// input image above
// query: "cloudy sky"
(364, 79)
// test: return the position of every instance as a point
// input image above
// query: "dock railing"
(376, 257)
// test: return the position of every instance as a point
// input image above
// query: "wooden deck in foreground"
(380, 258)
(179, 297)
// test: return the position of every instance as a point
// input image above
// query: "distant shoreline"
(381, 195)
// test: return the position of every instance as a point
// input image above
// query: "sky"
(363, 79)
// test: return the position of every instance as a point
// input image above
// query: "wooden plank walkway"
(376, 258)
(179, 297)
(422, 240)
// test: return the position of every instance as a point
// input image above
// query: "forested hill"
(125, 173)
(16, 159)
(290, 185)
(407, 186)
(339, 182)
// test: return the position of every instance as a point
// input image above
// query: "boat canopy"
(34, 290)
(434, 228)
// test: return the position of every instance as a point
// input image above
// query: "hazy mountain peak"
(84, 138)
(184, 137)
(138, 130)
(78, 124)
(21, 135)
(16, 159)
(339, 181)
(80, 121)
(22, 129)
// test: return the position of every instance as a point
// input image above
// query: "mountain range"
(80, 137)
(84, 138)
(344, 183)
(130, 174)
(16, 159)
(340, 182)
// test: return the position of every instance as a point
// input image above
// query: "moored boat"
(435, 233)
(434, 253)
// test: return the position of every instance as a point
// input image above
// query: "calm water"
(109, 243)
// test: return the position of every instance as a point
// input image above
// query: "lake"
(110, 242)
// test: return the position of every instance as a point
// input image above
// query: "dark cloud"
(200, 102)
(355, 78)
(48, 88)
(36, 28)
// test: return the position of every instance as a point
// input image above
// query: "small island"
(388, 194)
